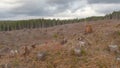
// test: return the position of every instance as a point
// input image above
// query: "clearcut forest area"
(93, 42)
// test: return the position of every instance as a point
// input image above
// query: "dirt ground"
(60, 54)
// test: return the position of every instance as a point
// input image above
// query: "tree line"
(44, 23)
(31, 24)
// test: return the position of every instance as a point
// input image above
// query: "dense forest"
(44, 23)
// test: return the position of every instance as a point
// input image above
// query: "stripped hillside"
(62, 46)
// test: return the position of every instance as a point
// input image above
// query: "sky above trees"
(63, 9)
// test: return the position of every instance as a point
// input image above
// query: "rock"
(77, 51)
(4, 51)
(5, 66)
(41, 56)
(13, 53)
(82, 43)
(79, 39)
(118, 58)
(114, 48)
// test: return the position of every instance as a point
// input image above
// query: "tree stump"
(26, 51)
(88, 29)
(33, 46)
(113, 48)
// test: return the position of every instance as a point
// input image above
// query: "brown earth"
(59, 54)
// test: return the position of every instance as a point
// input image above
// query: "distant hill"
(44, 23)
(114, 15)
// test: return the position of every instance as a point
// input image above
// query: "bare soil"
(95, 55)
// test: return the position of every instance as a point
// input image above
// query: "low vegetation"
(67, 46)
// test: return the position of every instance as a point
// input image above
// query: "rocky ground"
(65, 46)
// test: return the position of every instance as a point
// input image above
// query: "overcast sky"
(63, 9)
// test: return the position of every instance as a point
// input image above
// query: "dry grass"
(93, 55)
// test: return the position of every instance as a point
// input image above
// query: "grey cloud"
(35, 7)
(103, 1)
(30, 8)
(50, 8)
(105, 8)
(59, 1)
(42, 8)
(5, 14)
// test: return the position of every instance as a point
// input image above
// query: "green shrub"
(55, 36)
(83, 52)
(118, 32)
(15, 63)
